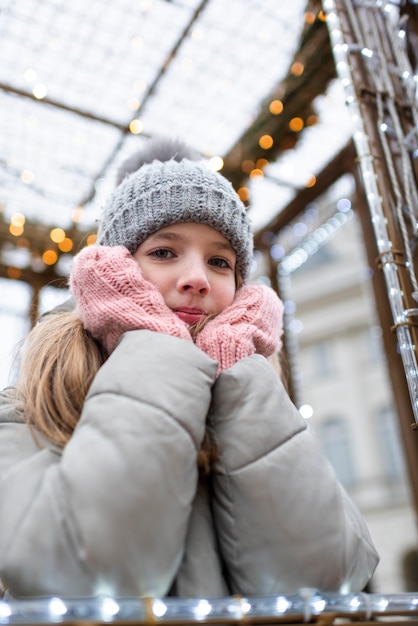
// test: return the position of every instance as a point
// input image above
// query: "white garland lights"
(303, 607)
(391, 82)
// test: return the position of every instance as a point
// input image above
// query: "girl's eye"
(219, 262)
(162, 253)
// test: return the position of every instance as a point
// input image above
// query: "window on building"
(324, 359)
(373, 344)
(390, 444)
(337, 445)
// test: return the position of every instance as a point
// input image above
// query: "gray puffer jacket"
(120, 509)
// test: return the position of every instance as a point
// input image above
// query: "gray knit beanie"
(165, 185)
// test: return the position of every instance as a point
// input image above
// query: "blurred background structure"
(310, 109)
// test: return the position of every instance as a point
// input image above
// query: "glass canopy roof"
(82, 85)
(78, 80)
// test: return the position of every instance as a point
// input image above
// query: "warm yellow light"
(309, 17)
(297, 69)
(311, 120)
(57, 235)
(17, 219)
(276, 107)
(66, 245)
(91, 240)
(216, 163)
(296, 124)
(16, 231)
(322, 16)
(311, 182)
(136, 127)
(265, 142)
(260, 163)
(77, 214)
(14, 273)
(256, 172)
(247, 166)
(27, 177)
(49, 257)
(244, 194)
(134, 104)
(39, 91)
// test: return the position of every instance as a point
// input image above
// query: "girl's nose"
(194, 278)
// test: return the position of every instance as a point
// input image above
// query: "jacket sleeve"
(284, 521)
(109, 514)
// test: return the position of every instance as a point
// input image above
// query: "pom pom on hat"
(165, 184)
(156, 150)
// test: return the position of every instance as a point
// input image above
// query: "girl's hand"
(252, 324)
(113, 297)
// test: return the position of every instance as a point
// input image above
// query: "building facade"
(342, 379)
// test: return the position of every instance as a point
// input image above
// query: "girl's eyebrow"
(170, 236)
(223, 245)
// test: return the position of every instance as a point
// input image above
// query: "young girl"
(163, 368)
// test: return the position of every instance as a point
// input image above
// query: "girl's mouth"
(190, 315)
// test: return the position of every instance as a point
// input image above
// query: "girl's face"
(193, 266)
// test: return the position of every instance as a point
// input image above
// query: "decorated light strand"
(401, 314)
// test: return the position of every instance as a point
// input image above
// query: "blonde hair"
(59, 362)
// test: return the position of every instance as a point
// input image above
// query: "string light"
(50, 257)
(311, 182)
(17, 219)
(77, 214)
(57, 235)
(298, 607)
(27, 177)
(276, 107)
(133, 104)
(244, 194)
(216, 163)
(136, 127)
(66, 245)
(374, 200)
(296, 124)
(39, 91)
(265, 142)
(247, 166)
(14, 273)
(297, 68)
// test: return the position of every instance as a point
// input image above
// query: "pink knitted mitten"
(113, 297)
(252, 324)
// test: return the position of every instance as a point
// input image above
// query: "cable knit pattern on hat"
(252, 324)
(113, 297)
(162, 193)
